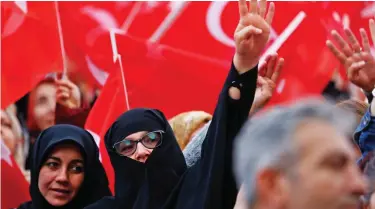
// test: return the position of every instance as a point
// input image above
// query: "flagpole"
(63, 53)
(123, 81)
(133, 13)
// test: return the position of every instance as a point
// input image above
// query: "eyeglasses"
(128, 147)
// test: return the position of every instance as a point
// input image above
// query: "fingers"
(263, 68)
(242, 6)
(271, 66)
(62, 95)
(342, 43)
(246, 32)
(254, 6)
(372, 30)
(65, 83)
(356, 57)
(354, 69)
(261, 81)
(276, 73)
(367, 57)
(262, 8)
(270, 13)
(365, 40)
(339, 55)
(353, 40)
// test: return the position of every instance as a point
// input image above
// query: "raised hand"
(358, 62)
(252, 33)
(268, 75)
(68, 94)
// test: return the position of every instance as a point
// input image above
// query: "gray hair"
(266, 140)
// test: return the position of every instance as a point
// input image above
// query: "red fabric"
(14, 187)
(109, 105)
(28, 57)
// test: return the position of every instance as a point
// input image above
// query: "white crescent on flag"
(16, 19)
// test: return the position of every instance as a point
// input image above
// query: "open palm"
(253, 30)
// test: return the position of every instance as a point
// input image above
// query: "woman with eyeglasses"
(150, 169)
(65, 170)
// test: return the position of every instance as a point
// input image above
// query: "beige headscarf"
(185, 125)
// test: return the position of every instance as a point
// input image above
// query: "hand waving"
(252, 33)
(268, 75)
(358, 62)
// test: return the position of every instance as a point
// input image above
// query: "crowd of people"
(314, 153)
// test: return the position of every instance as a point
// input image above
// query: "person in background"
(66, 171)
(11, 134)
(52, 101)
(360, 67)
(357, 60)
(281, 163)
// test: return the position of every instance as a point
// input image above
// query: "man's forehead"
(315, 135)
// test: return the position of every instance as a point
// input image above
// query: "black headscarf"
(95, 184)
(163, 181)
(145, 185)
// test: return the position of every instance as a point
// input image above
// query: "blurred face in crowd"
(326, 175)
(61, 175)
(7, 133)
(44, 100)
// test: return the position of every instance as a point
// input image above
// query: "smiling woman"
(66, 171)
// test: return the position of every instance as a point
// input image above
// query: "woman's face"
(142, 153)
(61, 175)
(45, 105)
(7, 133)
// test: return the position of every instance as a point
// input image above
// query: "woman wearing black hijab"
(66, 171)
(150, 169)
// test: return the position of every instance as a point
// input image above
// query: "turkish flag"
(14, 187)
(26, 57)
(169, 79)
(299, 32)
(109, 105)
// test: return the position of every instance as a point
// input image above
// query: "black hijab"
(95, 184)
(145, 185)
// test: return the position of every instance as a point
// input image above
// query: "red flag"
(14, 187)
(26, 58)
(110, 105)
(165, 78)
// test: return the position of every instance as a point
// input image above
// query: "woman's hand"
(252, 33)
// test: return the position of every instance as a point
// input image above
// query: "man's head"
(299, 157)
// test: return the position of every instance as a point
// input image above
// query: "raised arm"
(210, 181)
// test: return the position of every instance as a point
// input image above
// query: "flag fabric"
(14, 187)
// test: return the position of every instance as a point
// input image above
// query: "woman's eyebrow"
(54, 158)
